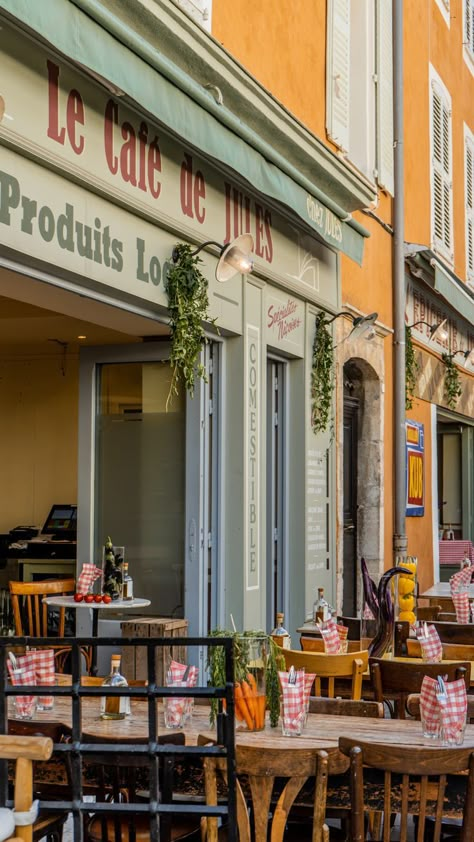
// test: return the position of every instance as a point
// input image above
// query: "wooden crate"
(134, 658)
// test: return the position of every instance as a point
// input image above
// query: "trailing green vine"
(411, 369)
(188, 302)
(322, 376)
(275, 662)
(452, 381)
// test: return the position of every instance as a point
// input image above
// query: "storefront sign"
(284, 321)
(65, 122)
(415, 447)
(253, 458)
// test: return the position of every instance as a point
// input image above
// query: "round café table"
(122, 604)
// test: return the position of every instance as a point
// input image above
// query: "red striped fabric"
(453, 552)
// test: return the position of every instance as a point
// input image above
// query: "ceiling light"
(82, 337)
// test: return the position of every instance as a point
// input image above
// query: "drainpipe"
(399, 293)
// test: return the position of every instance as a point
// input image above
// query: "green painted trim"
(187, 110)
(446, 283)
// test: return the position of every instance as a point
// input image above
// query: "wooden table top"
(321, 732)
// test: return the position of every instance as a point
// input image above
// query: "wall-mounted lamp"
(436, 330)
(234, 257)
(468, 355)
(360, 325)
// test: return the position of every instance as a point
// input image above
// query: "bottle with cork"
(114, 707)
(280, 634)
(320, 608)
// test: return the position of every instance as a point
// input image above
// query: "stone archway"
(360, 380)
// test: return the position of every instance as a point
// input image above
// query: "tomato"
(106, 598)
(98, 597)
(89, 597)
(78, 597)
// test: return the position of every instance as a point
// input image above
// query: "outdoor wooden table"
(440, 594)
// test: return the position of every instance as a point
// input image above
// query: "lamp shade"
(235, 257)
(361, 324)
(439, 331)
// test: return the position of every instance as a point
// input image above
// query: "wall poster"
(415, 462)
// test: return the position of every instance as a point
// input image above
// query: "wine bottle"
(320, 608)
(127, 582)
(280, 634)
(115, 707)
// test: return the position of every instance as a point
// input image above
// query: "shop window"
(199, 10)
(441, 169)
(359, 110)
(469, 193)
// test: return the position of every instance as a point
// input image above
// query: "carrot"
(249, 697)
(242, 704)
(252, 682)
(260, 705)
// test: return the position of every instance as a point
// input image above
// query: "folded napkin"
(87, 577)
(450, 714)
(24, 705)
(179, 675)
(293, 700)
(453, 711)
(459, 585)
(431, 646)
(331, 636)
(367, 614)
(39, 662)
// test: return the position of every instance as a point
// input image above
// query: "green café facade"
(225, 501)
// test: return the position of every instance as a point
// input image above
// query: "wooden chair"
(351, 666)
(31, 613)
(394, 680)
(117, 778)
(427, 612)
(316, 644)
(261, 768)
(51, 778)
(345, 707)
(451, 651)
(413, 783)
(452, 632)
(24, 750)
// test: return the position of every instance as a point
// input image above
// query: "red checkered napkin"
(367, 613)
(431, 646)
(20, 676)
(461, 606)
(330, 635)
(41, 663)
(429, 707)
(453, 711)
(460, 581)
(293, 704)
(176, 707)
(342, 631)
(87, 577)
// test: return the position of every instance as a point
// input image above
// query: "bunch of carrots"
(249, 706)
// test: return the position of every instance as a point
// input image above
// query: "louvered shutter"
(469, 24)
(469, 208)
(338, 72)
(384, 104)
(441, 169)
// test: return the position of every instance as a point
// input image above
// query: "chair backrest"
(260, 768)
(455, 632)
(316, 644)
(351, 666)
(30, 612)
(345, 707)
(419, 768)
(451, 651)
(24, 750)
(396, 679)
(427, 612)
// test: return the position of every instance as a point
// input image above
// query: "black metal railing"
(159, 755)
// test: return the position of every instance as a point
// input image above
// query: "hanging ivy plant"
(322, 376)
(188, 303)
(452, 381)
(411, 369)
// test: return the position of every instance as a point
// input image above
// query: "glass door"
(277, 599)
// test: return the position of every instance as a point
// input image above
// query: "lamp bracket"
(174, 253)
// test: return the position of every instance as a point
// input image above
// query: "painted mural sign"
(415, 448)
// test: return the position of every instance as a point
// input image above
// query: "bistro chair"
(345, 707)
(452, 632)
(451, 651)
(316, 644)
(427, 613)
(257, 772)
(51, 777)
(120, 776)
(413, 784)
(32, 617)
(350, 667)
(23, 750)
(394, 680)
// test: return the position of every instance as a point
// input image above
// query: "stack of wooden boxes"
(134, 658)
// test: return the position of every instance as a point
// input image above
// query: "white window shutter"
(338, 72)
(470, 208)
(469, 24)
(384, 105)
(441, 172)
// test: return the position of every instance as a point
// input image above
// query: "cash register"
(58, 535)
(49, 554)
